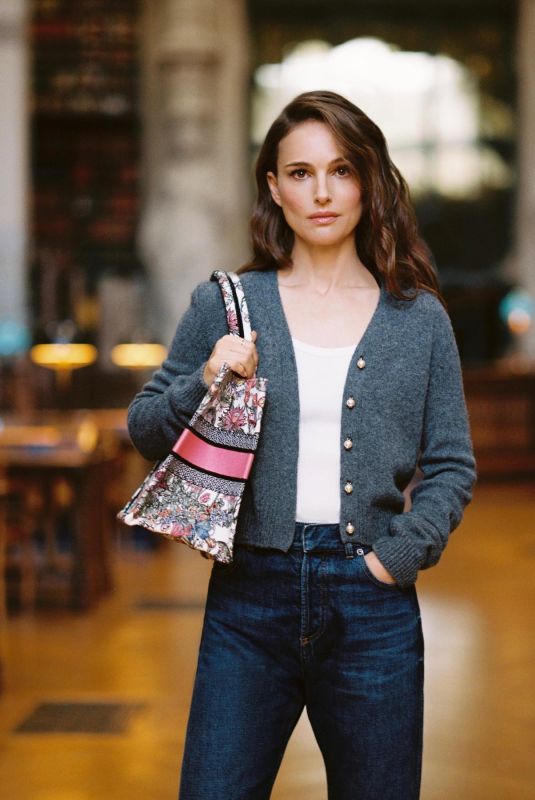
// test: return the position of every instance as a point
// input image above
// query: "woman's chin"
(323, 238)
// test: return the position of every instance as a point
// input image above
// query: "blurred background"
(128, 133)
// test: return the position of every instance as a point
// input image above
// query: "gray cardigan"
(403, 407)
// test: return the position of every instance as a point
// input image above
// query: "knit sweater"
(403, 407)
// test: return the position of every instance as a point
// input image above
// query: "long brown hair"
(387, 234)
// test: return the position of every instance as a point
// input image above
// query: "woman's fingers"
(240, 355)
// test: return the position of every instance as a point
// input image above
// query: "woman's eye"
(343, 170)
(299, 173)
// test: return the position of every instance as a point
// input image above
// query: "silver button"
(350, 529)
(361, 363)
(350, 402)
(348, 443)
(348, 488)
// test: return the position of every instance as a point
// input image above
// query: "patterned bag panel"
(235, 304)
(194, 494)
(187, 506)
(233, 405)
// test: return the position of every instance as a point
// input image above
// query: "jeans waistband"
(325, 537)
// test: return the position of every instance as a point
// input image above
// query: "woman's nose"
(322, 191)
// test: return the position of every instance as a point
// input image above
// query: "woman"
(319, 606)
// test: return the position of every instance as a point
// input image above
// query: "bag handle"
(235, 303)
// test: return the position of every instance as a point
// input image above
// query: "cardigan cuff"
(399, 556)
(187, 392)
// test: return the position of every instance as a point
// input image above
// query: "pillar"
(14, 160)
(195, 165)
(522, 265)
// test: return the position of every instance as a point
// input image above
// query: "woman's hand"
(239, 354)
(377, 569)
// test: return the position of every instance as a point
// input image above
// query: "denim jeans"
(308, 628)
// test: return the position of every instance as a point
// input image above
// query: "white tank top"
(322, 373)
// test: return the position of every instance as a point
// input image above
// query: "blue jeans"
(311, 627)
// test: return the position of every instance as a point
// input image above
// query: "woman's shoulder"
(423, 319)
(255, 278)
(207, 298)
(423, 303)
(209, 288)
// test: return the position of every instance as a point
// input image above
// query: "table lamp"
(62, 354)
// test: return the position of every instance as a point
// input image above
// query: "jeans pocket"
(371, 577)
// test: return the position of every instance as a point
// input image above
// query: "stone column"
(522, 265)
(196, 172)
(14, 160)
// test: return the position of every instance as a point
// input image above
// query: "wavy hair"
(386, 236)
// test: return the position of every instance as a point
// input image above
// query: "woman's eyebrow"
(340, 159)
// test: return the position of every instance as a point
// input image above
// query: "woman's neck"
(322, 269)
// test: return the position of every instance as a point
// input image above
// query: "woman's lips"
(324, 219)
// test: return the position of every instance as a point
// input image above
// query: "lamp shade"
(62, 350)
(63, 355)
(138, 355)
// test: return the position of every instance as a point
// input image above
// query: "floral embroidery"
(175, 507)
(234, 418)
(233, 402)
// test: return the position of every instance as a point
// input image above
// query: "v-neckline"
(369, 327)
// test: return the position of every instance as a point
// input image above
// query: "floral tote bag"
(193, 495)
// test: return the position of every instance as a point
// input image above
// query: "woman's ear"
(273, 187)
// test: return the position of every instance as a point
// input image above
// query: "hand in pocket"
(376, 568)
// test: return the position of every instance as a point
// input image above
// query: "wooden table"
(501, 406)
(81, 467)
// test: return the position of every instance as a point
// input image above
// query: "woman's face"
(313, 178)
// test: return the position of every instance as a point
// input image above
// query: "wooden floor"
(140, 645)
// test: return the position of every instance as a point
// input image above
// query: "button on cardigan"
(403, 406)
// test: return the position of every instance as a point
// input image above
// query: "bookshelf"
(85, 152)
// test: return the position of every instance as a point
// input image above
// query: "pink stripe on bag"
(229, 463)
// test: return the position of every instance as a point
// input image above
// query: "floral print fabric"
(233, 404)
(181, 501)
(179, 507)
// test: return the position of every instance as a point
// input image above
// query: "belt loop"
(349, 549)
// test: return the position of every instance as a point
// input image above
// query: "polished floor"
(96, 703)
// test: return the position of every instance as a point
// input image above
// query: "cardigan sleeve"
(418, 537)
(158, 413)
